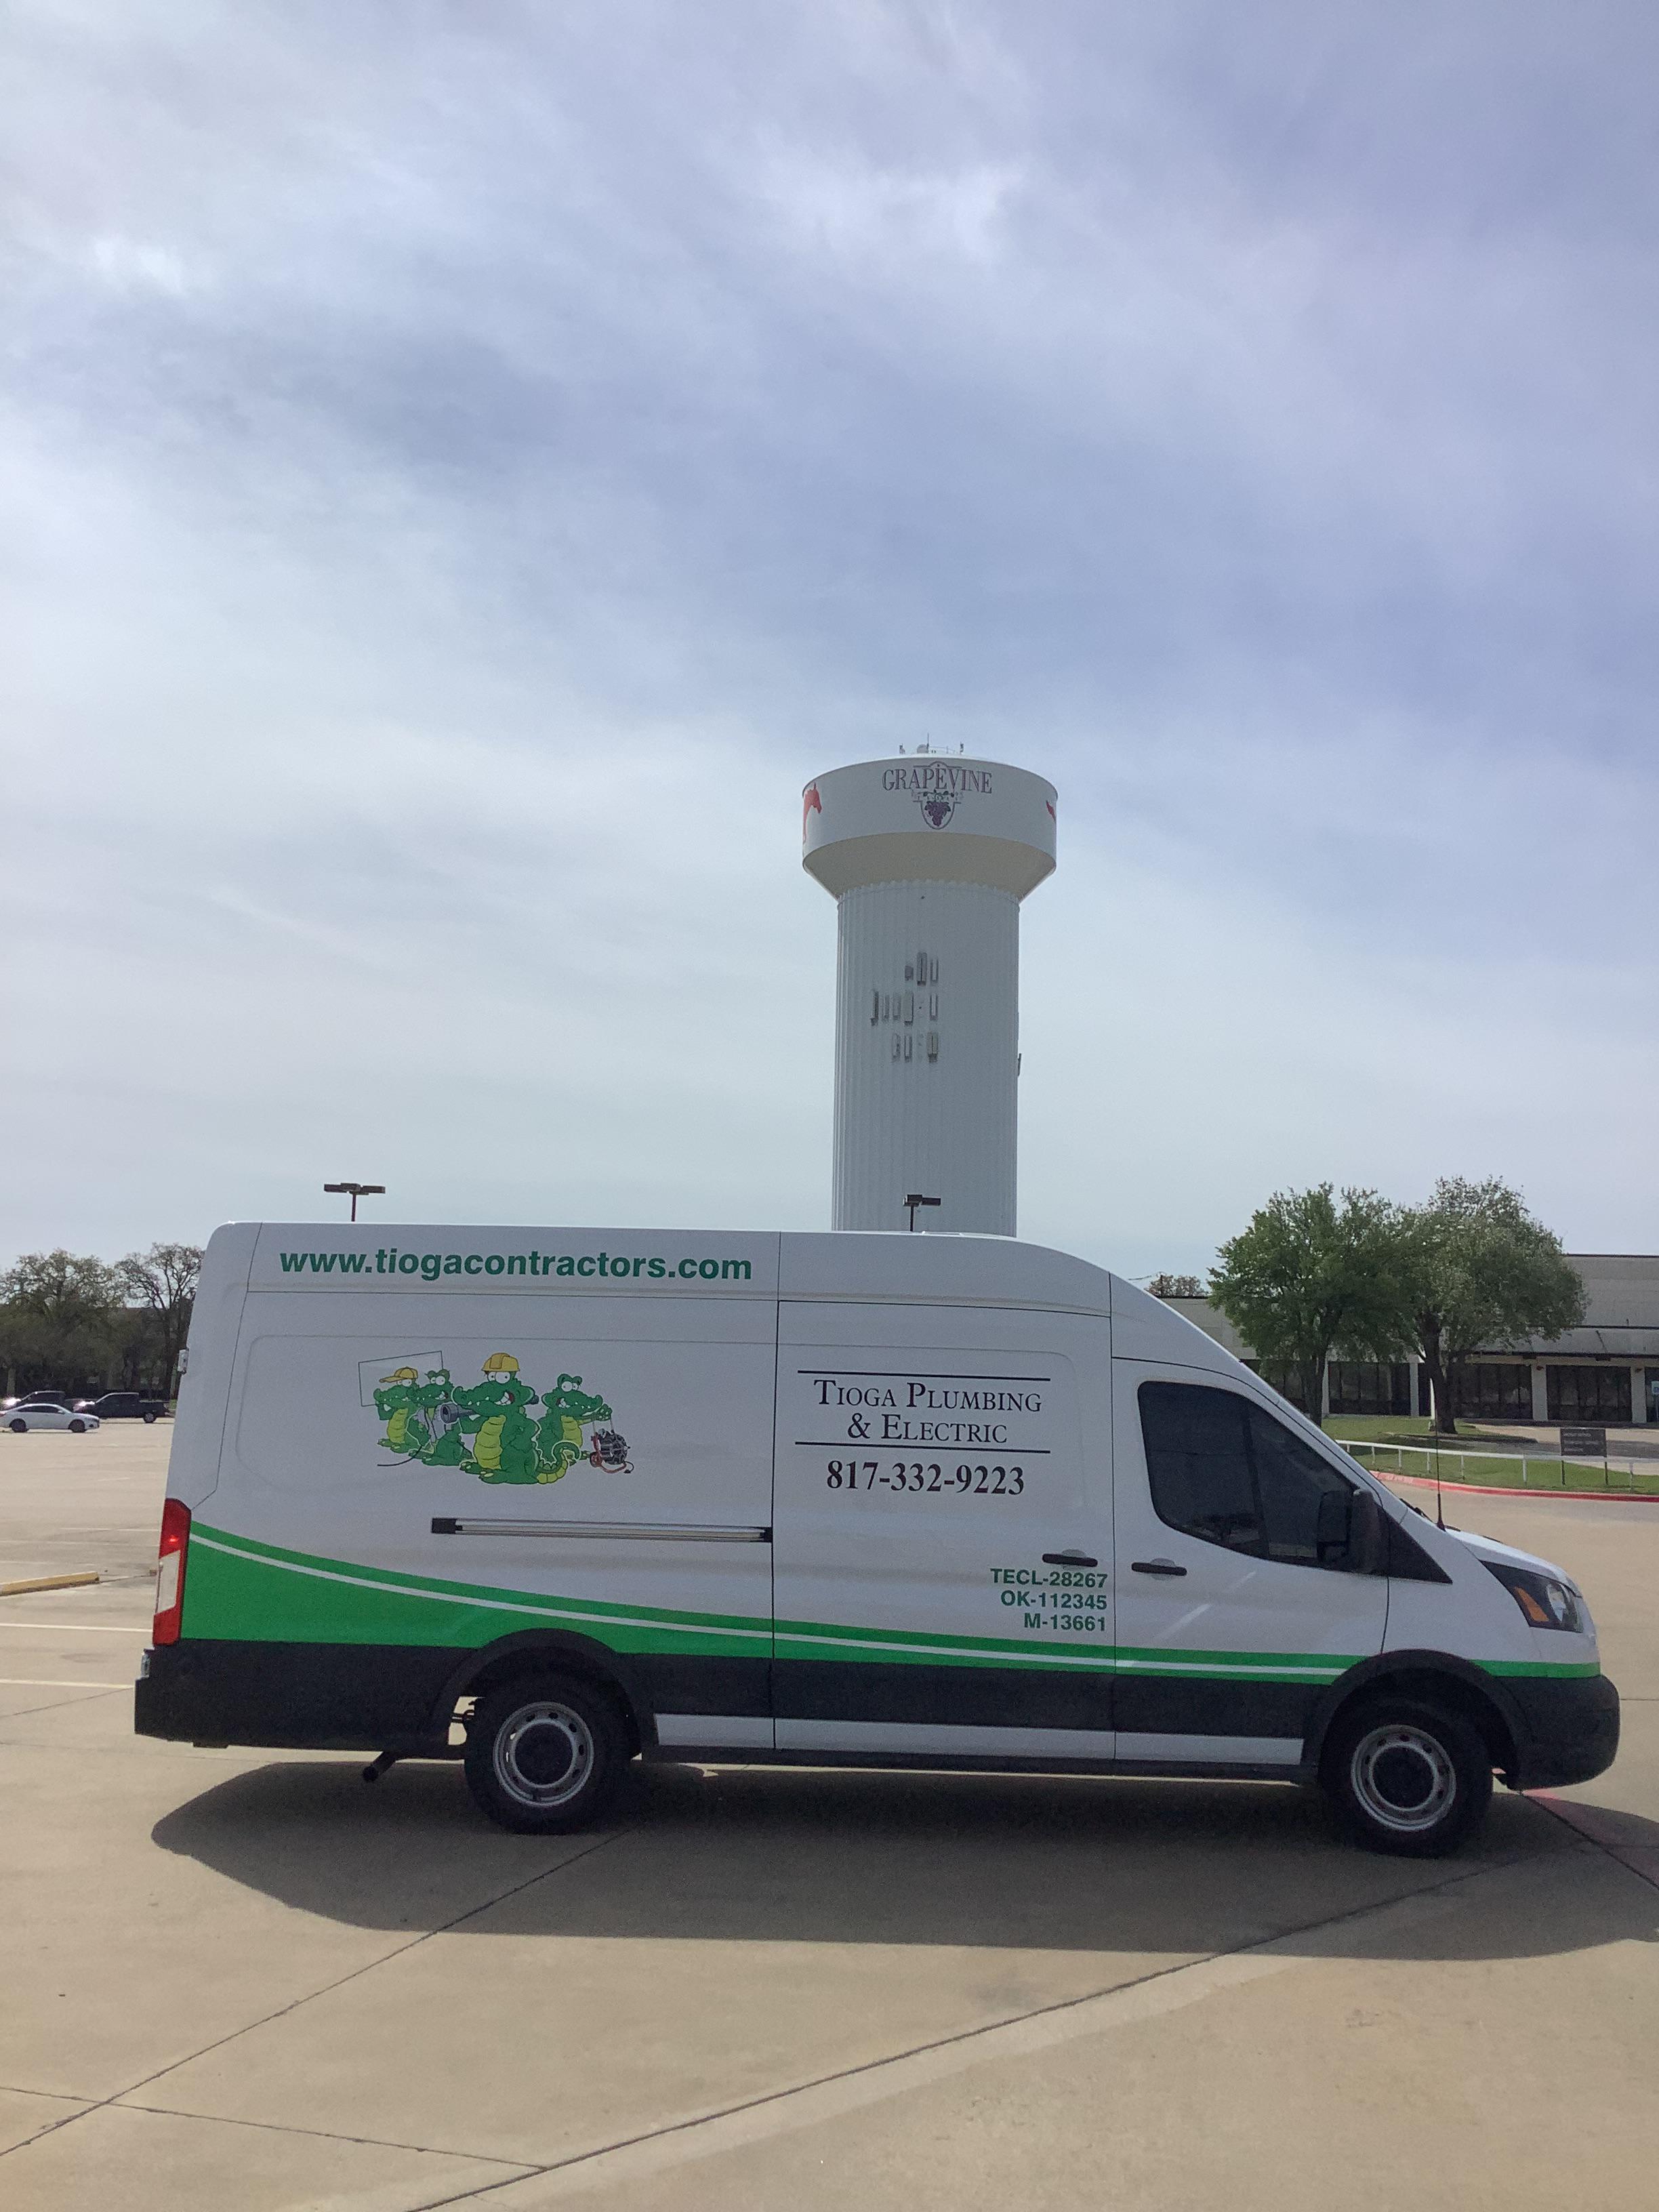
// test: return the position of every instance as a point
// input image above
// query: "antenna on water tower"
(928, 858)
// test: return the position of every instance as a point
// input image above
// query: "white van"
(580, 1496)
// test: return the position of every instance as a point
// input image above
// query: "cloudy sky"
(464, 466)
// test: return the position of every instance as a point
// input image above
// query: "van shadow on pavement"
(781, 1855)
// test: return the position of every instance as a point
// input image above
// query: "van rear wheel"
(545, 1754)
(1407, 1778)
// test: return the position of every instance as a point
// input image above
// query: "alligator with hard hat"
(396, 1402)
(504, 1439)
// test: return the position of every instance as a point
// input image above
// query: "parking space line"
(47, 1682)
(79, 1627)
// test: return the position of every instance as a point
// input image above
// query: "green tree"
(59, 1318)
(162, 1284)
(1313, 1276)
(1484, 1276)
(1175, 1286)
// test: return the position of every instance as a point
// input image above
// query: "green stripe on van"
(240, 1590)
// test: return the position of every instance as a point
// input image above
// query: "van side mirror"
(1349, 1532)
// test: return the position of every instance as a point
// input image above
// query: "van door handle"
(1156, 1567)
(1068, 1560)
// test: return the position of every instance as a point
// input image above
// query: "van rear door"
(941, 1540)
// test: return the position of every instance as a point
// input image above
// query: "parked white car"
(21, 1418)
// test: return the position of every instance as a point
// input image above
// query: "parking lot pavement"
(240, 1977)
(69, 1504)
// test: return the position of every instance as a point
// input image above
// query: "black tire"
(149, 1420)
(1406, 1778)
(19, 1428)
(545, 1754)
(78, 1428)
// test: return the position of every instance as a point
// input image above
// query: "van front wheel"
(545, 1754)
(1407, 1778)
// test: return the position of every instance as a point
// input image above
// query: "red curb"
(1491, 1489)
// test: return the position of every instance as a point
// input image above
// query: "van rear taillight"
(170, 1572)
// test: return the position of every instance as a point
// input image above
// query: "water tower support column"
(928, 859)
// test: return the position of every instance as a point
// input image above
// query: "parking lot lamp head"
(354, 1191)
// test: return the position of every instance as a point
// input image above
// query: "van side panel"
(411, 1479)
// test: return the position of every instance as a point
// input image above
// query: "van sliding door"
(941, 1531)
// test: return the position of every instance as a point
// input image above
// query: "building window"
(1492, 1390)
(1287, 1380)
(1366, 1386)
(1589, 1394)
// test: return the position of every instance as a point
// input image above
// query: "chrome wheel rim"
(1403, 1777)
(544, 1755)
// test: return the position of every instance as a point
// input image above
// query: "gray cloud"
(467, 468)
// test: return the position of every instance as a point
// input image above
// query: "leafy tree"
(1175, 1286)
(59, 1317)
(1312, 1276)
(1483, 1274)
(161, 1283)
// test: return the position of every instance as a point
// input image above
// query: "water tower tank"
(928, 857)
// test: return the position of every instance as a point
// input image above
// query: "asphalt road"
(242, 1979)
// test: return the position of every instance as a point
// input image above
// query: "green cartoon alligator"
(559, 1432)
(504, 1446)
(397, 1400)
(487, 1430)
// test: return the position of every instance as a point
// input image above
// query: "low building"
(1607, 1372)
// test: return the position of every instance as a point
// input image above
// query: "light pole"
(354, 1191)
(913, 1199)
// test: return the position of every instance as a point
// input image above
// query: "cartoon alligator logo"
(488, 1431)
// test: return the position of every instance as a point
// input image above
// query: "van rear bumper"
(1568, 1731)
(317, 1696)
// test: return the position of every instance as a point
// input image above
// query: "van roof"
(455, 1259)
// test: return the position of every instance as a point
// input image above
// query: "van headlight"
(1546, 1600)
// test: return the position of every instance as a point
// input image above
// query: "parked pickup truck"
(122, 1406)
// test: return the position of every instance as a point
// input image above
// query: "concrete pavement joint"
(523, 2169)
(780, 2112)
(1586, 1823)
(90, 1692)
(516, 1889)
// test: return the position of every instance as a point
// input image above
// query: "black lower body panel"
(319, 1696)
(396, 1697)
(967, 1697)
(1194, 1704)
(1569, 1731)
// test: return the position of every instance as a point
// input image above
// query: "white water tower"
(928, 857)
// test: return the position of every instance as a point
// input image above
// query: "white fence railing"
(1506, 1470)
